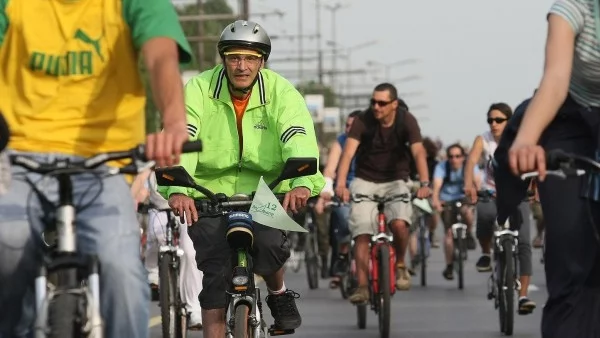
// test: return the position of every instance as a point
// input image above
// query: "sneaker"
(284, 310)
(360, 295)
(195, 321)
(448, 272)
(402, 278)
(526, 306)
(471, 245)
(484, 264)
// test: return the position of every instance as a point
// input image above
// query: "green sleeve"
(156, 18)
(297, 134)
(193, 103)
(3, 20)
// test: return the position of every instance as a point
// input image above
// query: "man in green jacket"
(250, 120)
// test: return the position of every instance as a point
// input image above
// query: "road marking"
(155, 321)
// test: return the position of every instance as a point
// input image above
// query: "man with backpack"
(382, 138)
(448, 182)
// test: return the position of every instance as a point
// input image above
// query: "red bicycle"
(382, 263)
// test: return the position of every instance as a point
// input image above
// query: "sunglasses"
(498, 120)
(380, 103)
(455, 156)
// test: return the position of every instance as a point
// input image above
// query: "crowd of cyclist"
(67, 96)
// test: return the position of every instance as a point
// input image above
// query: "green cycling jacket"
(276, 126)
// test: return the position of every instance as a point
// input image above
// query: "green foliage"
(315, 88)
(211, 28)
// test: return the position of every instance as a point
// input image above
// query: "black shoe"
(471, 245)
(154, 296)
(484, 264)
(448, 272)
(526, 306)
(340, 266)
(284, 310)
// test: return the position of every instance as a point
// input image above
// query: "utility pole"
(200, 34)
(319, 50)
(245, 9)
(300, 41)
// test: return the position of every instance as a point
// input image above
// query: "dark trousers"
(572, 258)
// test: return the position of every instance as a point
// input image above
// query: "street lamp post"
(333, 9)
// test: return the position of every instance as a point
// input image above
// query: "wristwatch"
(424, 184)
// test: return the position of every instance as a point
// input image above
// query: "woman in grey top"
(564, 113)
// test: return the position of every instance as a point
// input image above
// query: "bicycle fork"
(66, 264)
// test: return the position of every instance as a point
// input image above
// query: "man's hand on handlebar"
(423, 192)
(524, 158)
(183, 205)
(470, 192)
(165, 147)
(295, 199)
(342, 192)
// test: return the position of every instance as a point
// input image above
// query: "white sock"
(278, 292)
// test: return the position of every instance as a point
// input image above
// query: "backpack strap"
(448, 172)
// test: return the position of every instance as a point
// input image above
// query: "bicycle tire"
(506, 290)
(311, 260)
(241, 329)
(361, 316)
(384, 290)
(63, 313)
(423, 254)
(172, 322)
(459, 257)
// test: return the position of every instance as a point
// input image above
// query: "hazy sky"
(471, 52)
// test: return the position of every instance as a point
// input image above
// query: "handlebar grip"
(192, 147)
(554, 157)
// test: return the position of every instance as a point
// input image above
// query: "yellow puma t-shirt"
(69, 80)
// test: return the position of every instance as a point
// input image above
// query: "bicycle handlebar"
(563, 164)
(406, 197)
(137, 153)
(208, 208)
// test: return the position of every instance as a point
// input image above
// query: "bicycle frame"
(377, 240)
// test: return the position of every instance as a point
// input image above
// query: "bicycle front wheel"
(312, 261)
(385, 292)
(459, 258)
(241, 329)
(173, 324)
(506, 289)
(423, 256)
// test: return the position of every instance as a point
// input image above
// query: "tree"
(315, 88)
(211, 28)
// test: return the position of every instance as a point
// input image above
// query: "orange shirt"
(239, 106)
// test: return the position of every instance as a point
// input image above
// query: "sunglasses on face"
(380, 103)
(455, 156)
(498, 120)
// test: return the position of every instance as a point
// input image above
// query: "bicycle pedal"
(279, 332)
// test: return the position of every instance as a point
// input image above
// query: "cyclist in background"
(562, 114)
(190, 278)
(382, 168)
(484, 146)
(448, 185)
(251, 120)
(66, 105)
(339, 214)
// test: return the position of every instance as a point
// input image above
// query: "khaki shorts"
(363, 215)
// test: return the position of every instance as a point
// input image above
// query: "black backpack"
(372, 124)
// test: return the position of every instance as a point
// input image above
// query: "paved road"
(438, 310)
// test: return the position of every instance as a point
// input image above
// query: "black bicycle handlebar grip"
(554, 157)
(192, 147)
(4, 133)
